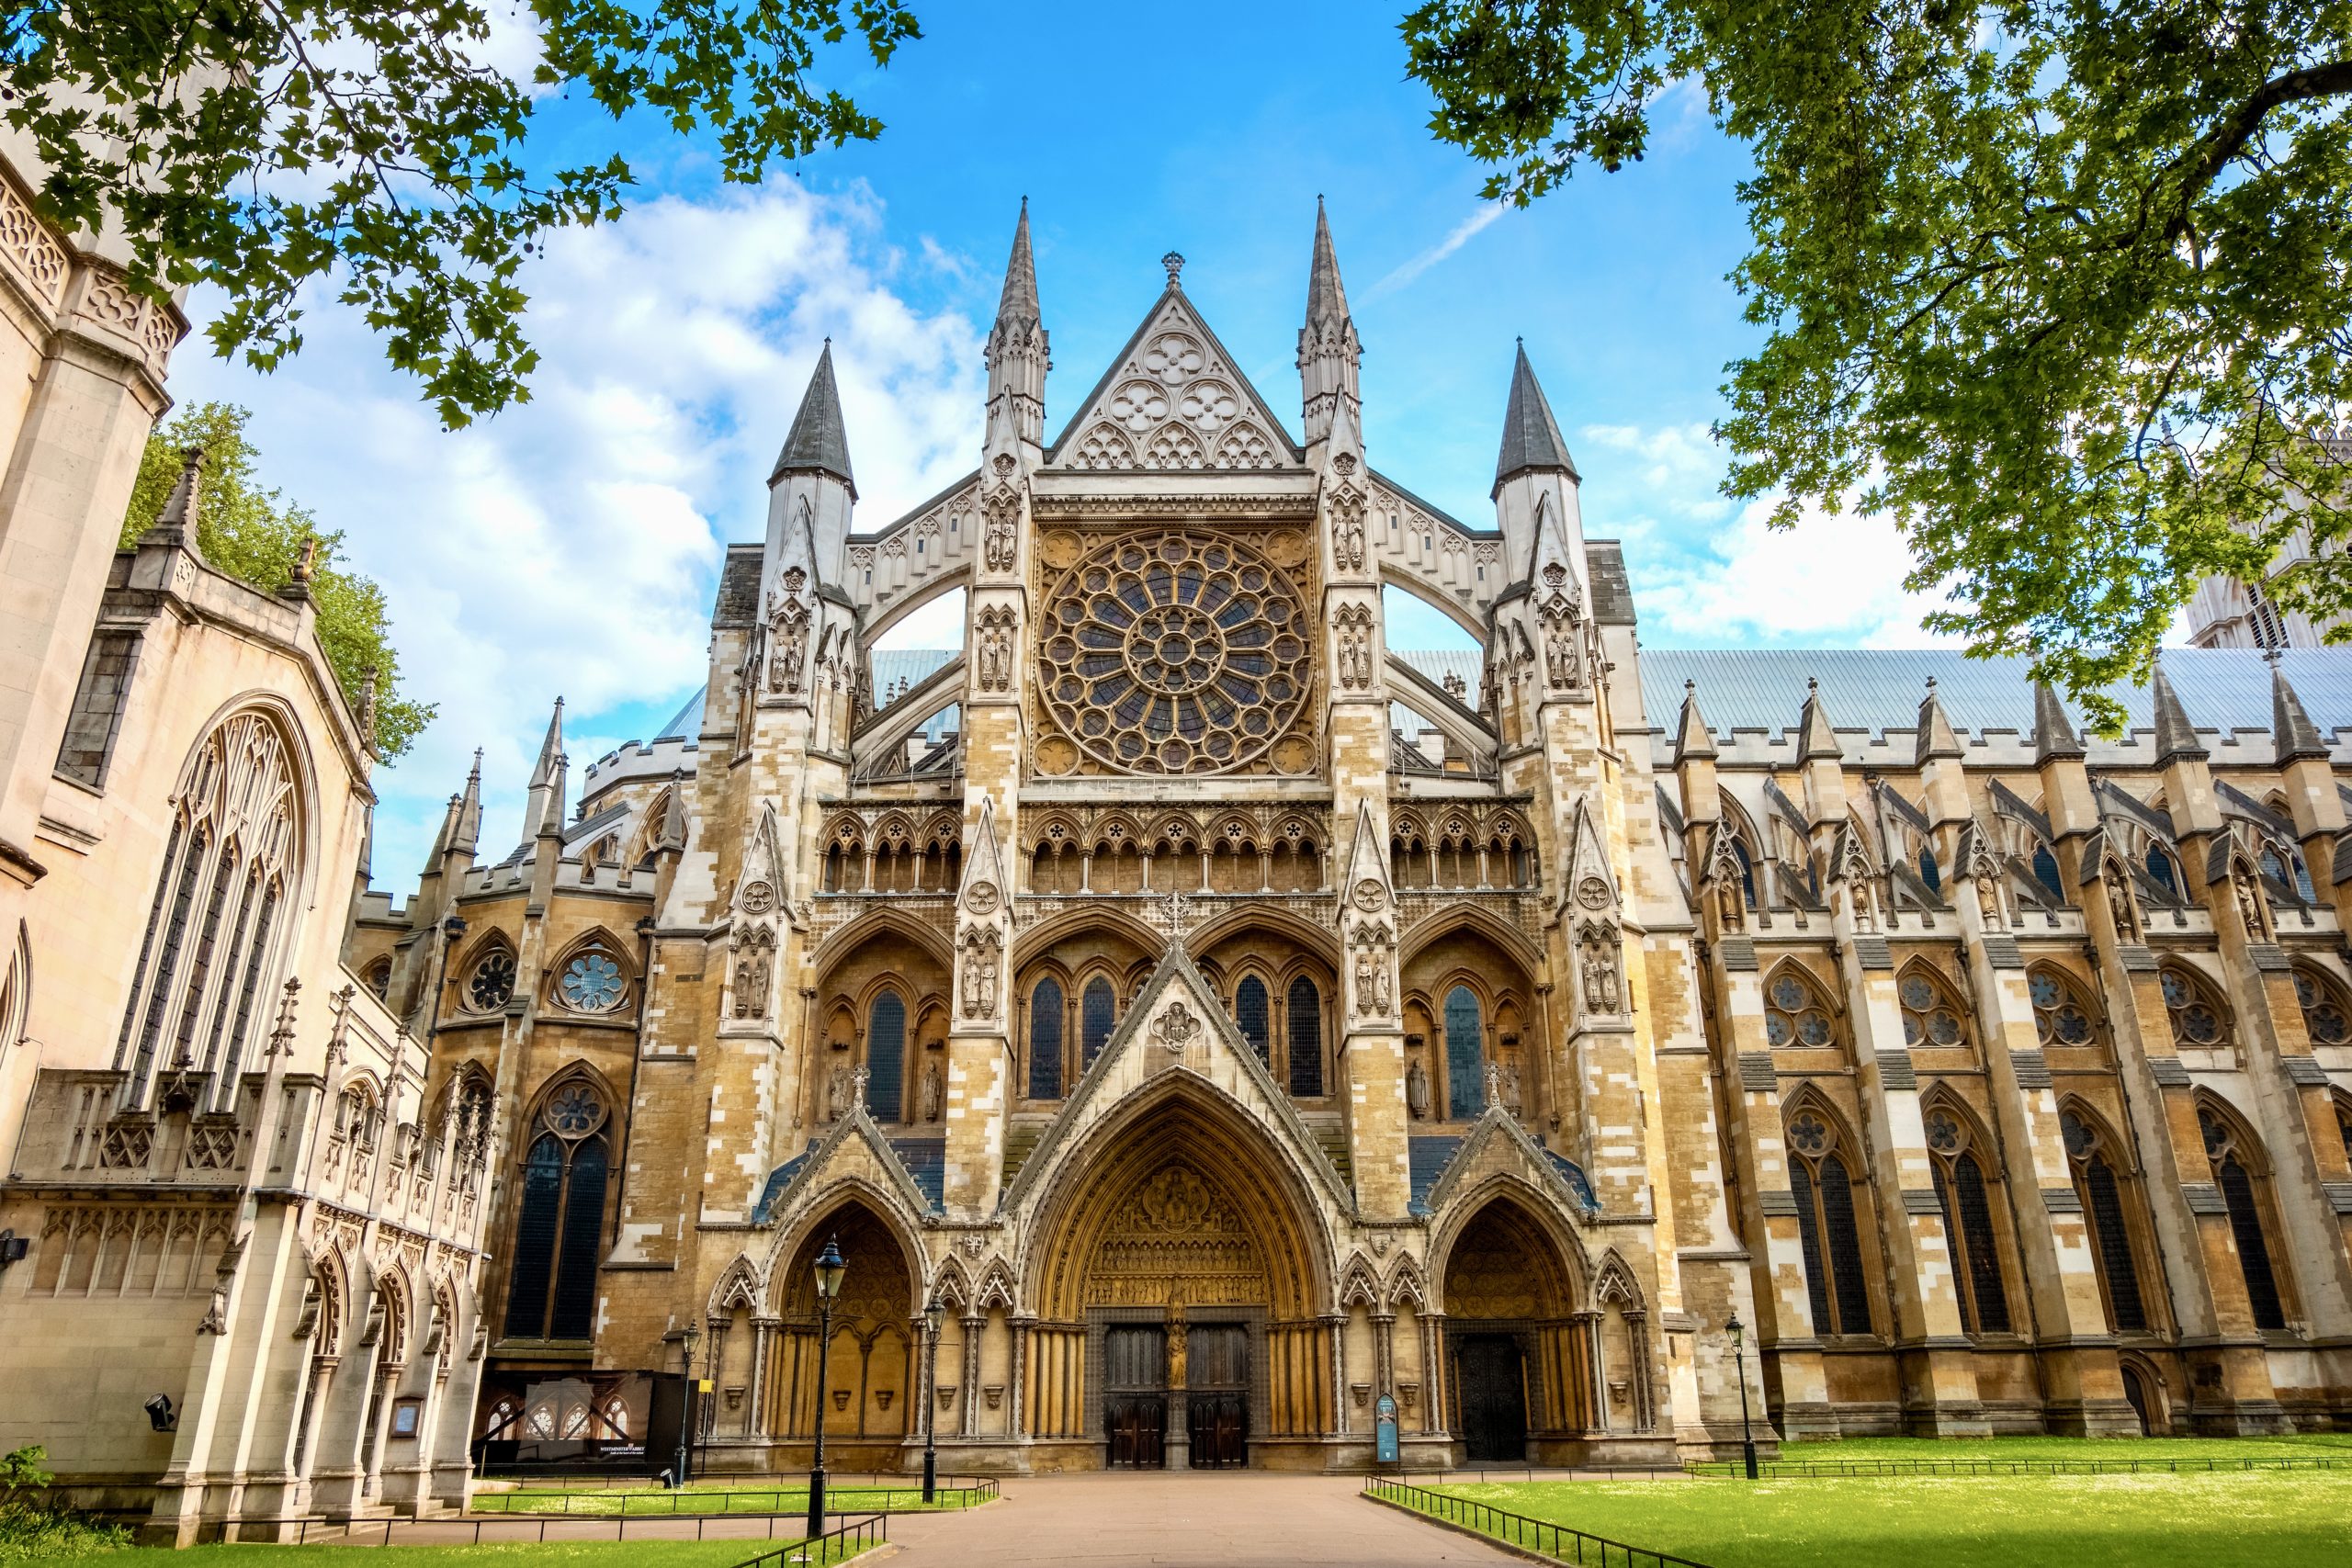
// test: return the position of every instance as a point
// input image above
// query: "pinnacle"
(1816, 737)
(2291, 729)
(1937, 737)
(1326, 299)
(2054, 735)
(2175, 737)
(1692, 738)
(818, 444)
(1018, 305)
(1531, 435)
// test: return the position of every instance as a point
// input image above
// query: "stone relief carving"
(1001, 516)
(1561, 663)
(1416, 1090)
(1374, 977)
(2121, 903)
(754, 966)
(838, 1088)
(1354, 646)
(1174, 1029)
(983, 959)
(930, 1093)
(787, 644)
(1347, 508)
(994, 648)
(1600, 956)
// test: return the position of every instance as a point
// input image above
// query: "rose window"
(492, 982)
(575, 1111)
(591, 983)
(1175, 654)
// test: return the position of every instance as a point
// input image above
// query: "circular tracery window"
(1177, 653)
(592, 982)
(492, 982)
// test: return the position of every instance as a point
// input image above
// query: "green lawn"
(2335, 1446)
(2270, 1519)
(655, 1502)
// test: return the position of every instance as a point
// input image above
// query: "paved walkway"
(1216, 1520)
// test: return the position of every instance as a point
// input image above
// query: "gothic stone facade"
(238, 1229)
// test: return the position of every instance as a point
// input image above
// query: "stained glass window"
(551, 1288)
(1930, 1016)
(1251, 1008)
(2195, 1021)
(1465, 1055)
(886, 1057)
(2058, 1018)
(1098, 1014)
(1826, 1228)
(492, 981)
(2238, 1196)
(1795, 1013)
(1305, 1005)
(592, 982)
(2323, 1016)
(1045, 1040)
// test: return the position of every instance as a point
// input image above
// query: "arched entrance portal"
(865, 1391)
(1520, 1355)
(1176, 1292)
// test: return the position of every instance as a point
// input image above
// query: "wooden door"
(1216, 1400)
(1494, 1398)
(1135, 1396)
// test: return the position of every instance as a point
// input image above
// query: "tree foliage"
(261, 145)
(2061, 287)
(257, 537)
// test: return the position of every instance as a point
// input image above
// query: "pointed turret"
(1017, 354)
(445, 837)
(1815, 736)
(1937, 739)
(1531, 435)
(1328, 352)
(1692, 738)
(176, 523)
(2175, 737)
(817, 443)
(2292, 731)
(465, 836)
(2053, 733)
(543, 807)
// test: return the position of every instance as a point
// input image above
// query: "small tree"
(257, 537)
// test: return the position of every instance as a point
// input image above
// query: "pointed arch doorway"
(1177, 1296)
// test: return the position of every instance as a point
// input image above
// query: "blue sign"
(1386, 1423)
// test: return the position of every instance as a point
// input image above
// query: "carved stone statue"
(930, 1093)
(752, 967)
(1416, 1091)
(981, 950)
(2250, 908)
(1507, 1087)
(837, 1091)
(1603, 984)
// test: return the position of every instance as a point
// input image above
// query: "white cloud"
(1462, 235)
(1708, 571)
(572, 543)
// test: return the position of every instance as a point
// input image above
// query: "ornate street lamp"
(934, 1312)
(829, 1270)
(686, 1404)
(1739, 1370)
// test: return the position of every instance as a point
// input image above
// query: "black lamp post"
(829, 1270)
(686, 1404)
(1739, 1370)
(934, 1312)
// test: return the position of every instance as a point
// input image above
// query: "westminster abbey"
(1232, 1027)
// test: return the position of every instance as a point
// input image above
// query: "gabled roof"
(1175, 311)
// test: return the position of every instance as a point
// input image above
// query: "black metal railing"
(847, 1538)
(1562, 1543)
(1832, 1469)
(692, 1502)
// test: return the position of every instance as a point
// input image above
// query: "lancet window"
(1466, 1054)
(200, 991)
(1098, 1015)
(1827, 1232)
(551, 1293)
(1968, 1223)
(2241, 1172)
(886, 1057)
(1253, 1015)
(2100, 1190)
(1045, 1040)
(1304, 1007)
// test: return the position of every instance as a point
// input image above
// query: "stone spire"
(2175, 737)
(2292, 731)
(1328, 352)
(544, 806)
(1531, 435)
(2053, 734)
(1937, 739)
(465, 834)
(818, 444)
(176, 523)
(1691, 736)
(1017, 354)
(1815, 736)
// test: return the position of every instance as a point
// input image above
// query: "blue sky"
(570, 546)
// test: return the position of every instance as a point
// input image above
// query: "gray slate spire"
(2292, 731)
(2053, 733)
(2175, 737)
(543, 808)
(1531, 435)
(1936, 736)
(1815, 736)
(467, 833)
(1692, 738)
(1018, 305)
(818, 444)
(1326, 300)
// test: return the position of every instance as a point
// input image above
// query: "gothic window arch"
(590, 978)
(1408, 855)
(1465, 1053)
(2199, 1020)
(378, 976)
(215, 930)
(2344, 1124)
(1303, 1010)
(2164, 871)
(2060, 1015)
(1822, 1175)
(2281, 859)
(2327, 1019)
(558, 1220)
(1932, 1015)
(1964, 1190)
(1254, 1014)
(845, 869)
(885, 1055)
(1098, 1015)
(1045, 1006)
(1795, 1011)
(486, 980)
(2099, 1185)
(2243, 1173)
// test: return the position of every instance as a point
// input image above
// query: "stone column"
(973, 1322)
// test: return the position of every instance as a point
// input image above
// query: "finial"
(1689, 688)
(1175, 261)
(1811, 684)
(1931, 683)
(2270, 657)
